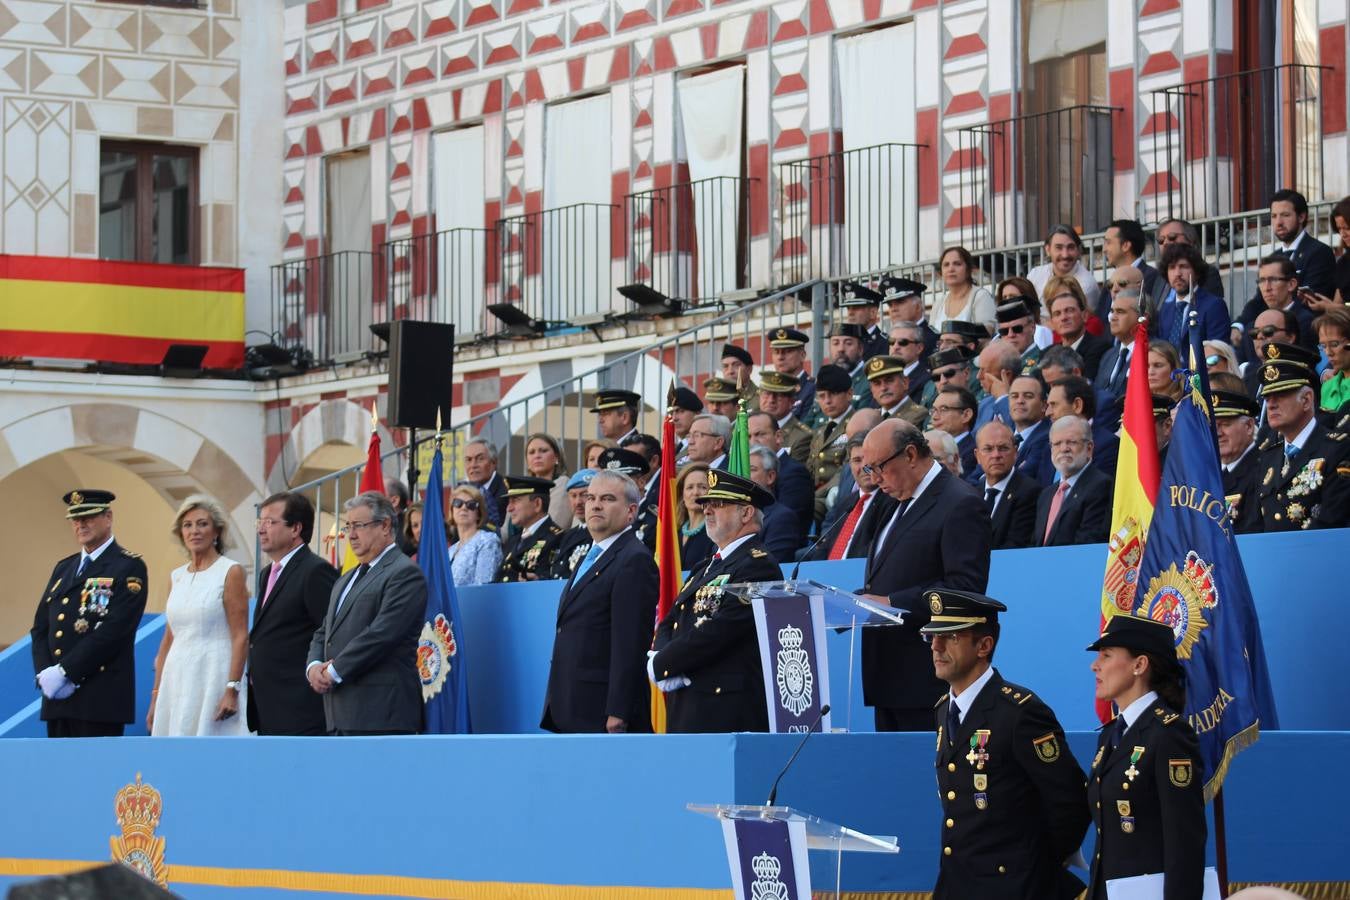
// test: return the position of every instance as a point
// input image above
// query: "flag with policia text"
(1192, 578)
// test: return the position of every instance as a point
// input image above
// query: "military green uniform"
(797, 438)
(828, 450)
(1031, 360)
(862, 388)
(914, 413)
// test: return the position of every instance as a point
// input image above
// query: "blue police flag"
(440, 655)
(1192, 578)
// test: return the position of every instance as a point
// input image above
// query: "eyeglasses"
(904, 342)
(1005, 330)
(873, 471)
(1331, 346)
(267, 523)
(945, 374)
(1271, 279)
(947, 409)
(357, 526)
(1268, 331)
(461, 503)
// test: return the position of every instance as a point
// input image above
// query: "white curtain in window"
(880, 185)
(461, 245)
(573, 233)
(712, 113)
(348, 307)
(1062, 27)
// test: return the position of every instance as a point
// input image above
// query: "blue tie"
(591, 556)
(1291, 450)
(84, 564)
(953, 720)
(1178, 324)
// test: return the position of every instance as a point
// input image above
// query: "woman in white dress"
(199, 670)
(965, 300)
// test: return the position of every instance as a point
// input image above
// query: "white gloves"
(665, 684)
(54, 684)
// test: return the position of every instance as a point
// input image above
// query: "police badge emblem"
(436, 649)
(935, 603)
(793, 671)
(1047, 748)
(1179, 772)
(138, 807)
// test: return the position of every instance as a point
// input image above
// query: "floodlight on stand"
(266, 361)
(183, 360)
(380, 330)
(518, 322)
(650, 301)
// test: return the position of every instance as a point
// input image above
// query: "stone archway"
(329, 422)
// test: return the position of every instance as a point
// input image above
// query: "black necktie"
(361, 571)
(953, 720)
(990, 498)
(1017, 440)
(1117, 733)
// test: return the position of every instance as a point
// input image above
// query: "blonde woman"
(695, 545)
(475, 556)
(199, 670)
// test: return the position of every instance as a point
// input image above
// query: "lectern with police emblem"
(791, 618)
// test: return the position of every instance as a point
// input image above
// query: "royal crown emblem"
(76, 498)
(935, 603)
(138, 807)
(1270, 373)
(1272, 351)
(794, 677)
(767, 885)
(712, 479)
(436, 650)
(1178, 599)
(1124, 552)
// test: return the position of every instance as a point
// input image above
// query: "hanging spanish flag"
(372, 479)
(667, 551)
(122, 312)
(1136, 491)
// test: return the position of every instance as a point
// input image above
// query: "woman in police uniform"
(1145, 788)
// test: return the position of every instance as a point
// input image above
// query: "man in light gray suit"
(363, 658)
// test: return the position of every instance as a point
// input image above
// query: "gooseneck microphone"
(773, 791)
(809, 550)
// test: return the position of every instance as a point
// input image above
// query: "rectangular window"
(148, 203)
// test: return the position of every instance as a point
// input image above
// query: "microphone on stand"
(809, 550)
(773, 791)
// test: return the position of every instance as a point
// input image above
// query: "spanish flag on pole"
(372, 479)
(1136, 491)
(667, 549)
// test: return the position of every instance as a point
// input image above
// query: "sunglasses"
(1268, 331)
(1212, 360)
(1005, 330)
(904, 342)
(461, 503)
(945, 374)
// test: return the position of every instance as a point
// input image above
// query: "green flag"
(738, 454)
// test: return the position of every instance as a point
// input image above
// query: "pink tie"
(1055, 503)
(271, 581)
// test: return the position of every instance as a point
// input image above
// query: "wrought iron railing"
(849, 211)
(1023, 175)
(1227, 143)
(443, 277)
(691, 241)
(558, 264)
(327, 303)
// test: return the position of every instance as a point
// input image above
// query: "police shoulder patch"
(1046, 747)
(1179, 772)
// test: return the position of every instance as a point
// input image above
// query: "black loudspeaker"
(421, 363)
(111, 882)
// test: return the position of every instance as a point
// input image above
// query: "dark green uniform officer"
(737, 366)
(720, 397)
(1146, 788)
(829, 442)
(84, 631)
(529, 557)
(1305, 467)
(793, 435)
(1013, 802)
(890, 391)
(863, 306)
(706, 655)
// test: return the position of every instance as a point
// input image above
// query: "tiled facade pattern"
(74, 73)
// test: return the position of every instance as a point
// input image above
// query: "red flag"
(667, 552)
(372, 479)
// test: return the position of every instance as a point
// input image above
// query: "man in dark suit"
(1123, 245)
(907, 345)
(480, 470)
(792, 483)
(363, 658)
(1314, 263)
(1074, 396)
(706, 656)
(782, 528)
(1013, 796)
(856, 514)
(84, 656)
(938, 536)
(954, 410)
(1277, 287)
(1068, 317)
(1239, 459)
(640, 459)
(1185, 270)
(1179, 231)
(596, 681)
(1031, 430)
(1114, 369)
(293, 592)
(1010, 496)
(1077, 510)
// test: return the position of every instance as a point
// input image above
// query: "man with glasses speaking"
(938, 537)
(363, 658)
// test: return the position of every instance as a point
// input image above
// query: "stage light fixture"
(650, 301)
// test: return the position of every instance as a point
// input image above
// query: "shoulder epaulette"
(131, 553)
(555, 528)
(1015, 694)
(1167, 718)
(1266, 445)
(757, 553)
(941, 700)
(1336, 435)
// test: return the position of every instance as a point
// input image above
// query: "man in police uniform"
(890, 391)
(1014, 802)
(777, 394)
(618, 412)
(862, 307)
(1239, 459)
(971, 336)
(1306, 466)
(720, 397)
(829, 442)
(904, 306)
(738, 366)
(84, 631)
(1017, 326)
(706, 656)
(529, 554)
(787, 348)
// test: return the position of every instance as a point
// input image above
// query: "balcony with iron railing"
(326, 304)
(557, 265)
(443, 277)
(848, 211)
(1223, 144)
(691, 241)
(1020, 176)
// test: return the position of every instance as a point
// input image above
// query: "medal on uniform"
(981, 800)
(1132, 773)
(978, 755)
(81, 625)
(981, 782)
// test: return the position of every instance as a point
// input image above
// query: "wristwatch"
(236, 686)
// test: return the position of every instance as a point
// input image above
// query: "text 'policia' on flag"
(1192, 579)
